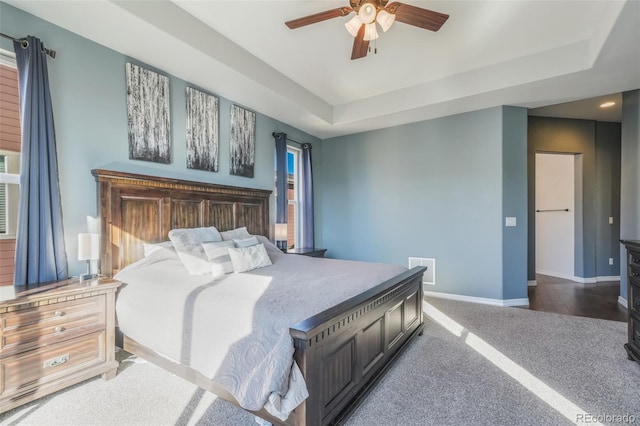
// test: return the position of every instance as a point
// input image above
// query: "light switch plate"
(510, 221)
(610, 220)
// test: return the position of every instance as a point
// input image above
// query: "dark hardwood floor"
(570, 298)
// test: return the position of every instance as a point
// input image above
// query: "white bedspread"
(235, 330)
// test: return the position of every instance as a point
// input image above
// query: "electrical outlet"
(611, 261)
(510, 221)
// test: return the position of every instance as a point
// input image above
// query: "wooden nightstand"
(55, 335)
(311, 252)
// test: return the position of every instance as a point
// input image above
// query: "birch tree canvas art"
(243, 141)
(148, 114)
(202, 130)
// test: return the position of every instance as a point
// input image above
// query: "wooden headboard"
(136, 209)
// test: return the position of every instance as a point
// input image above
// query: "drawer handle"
(635, 274)
(58, 313)
(54, 362)
(59, 329)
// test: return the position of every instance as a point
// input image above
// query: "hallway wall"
(599, 143)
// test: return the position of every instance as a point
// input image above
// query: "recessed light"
(607, 104)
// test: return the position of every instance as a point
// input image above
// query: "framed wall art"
(202, 130)
(148, 115)
(243, 141)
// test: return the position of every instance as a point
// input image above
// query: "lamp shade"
(281, 232)
(370, 32)
(353, 26)
(88, 246)
(385, 19)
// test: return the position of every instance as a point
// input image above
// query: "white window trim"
(296, 201)
(9, 178)
(8, 58)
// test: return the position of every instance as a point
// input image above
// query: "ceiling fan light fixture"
(370, 32)
(385, 19)
(367, 13)
(354, 25)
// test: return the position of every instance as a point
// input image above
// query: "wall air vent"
(429, 276)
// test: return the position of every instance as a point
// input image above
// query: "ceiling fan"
(368, 13)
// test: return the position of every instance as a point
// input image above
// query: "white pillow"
(150, 248)
(246, 242)
(188, 244)
(249, 258)
(235, 234)
(218, 255)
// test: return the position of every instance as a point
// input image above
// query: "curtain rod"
(24, 43)
(274, 134)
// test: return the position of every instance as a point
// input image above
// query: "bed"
(341, 351)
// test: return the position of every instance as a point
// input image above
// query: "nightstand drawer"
(634, 269)
(634, 331)
(36, 327)
(30, 370)
(634, 296)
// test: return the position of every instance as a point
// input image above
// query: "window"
(293, 188)
(9, 163)
(9, 193)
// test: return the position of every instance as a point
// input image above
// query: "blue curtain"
(281, 177)
(40, 251)
(306, 197)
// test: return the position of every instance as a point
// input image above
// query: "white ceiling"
(527, 53)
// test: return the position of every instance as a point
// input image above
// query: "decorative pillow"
(272, 250)
(246, 242)
(188, 244)
(249, 258)
(150, 248)
(235, 234)
(218, 255)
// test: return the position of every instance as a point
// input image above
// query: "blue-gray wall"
(607, 198)
(89, 103)
(514, 202)
(597, 184)
(630, 177)
(433, 189)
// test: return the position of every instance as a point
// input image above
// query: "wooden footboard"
(343, 351)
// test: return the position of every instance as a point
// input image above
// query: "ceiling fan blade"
(417, 16)
(318, 17)
(360, 45)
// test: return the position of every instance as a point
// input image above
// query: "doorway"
(555, 214)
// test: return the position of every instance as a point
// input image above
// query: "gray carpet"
(492, 366)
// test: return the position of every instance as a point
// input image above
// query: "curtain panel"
(281, 177)
(40, 249)
(306, 197)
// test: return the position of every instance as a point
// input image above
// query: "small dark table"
(311, 252)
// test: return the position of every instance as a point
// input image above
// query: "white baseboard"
(611, 278)
(594, 280)
(555, 274)
(623, 302)
(589, 280)
(532, 283)
(480, 300)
